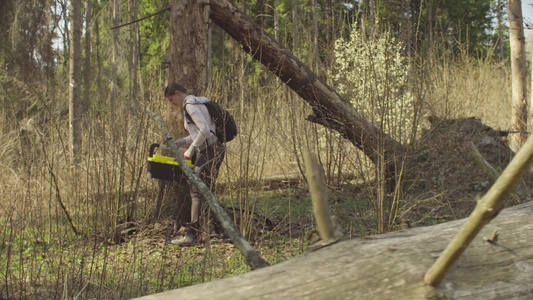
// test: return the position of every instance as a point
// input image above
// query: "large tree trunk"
(188, 45)
(330, 109)
(518, 69)
(391, 266)
(188, 66)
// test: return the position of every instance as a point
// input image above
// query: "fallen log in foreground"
(392, 266)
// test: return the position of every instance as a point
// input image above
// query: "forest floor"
(441, 184)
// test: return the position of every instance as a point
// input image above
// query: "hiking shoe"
(187, 240)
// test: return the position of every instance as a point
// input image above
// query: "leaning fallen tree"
(391, 266)
(330, 109)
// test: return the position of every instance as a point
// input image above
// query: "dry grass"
(470, 88)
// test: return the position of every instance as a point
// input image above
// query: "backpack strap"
(190, 120)
(187, 115)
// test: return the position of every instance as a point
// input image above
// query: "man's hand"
(190, 152)
(187, 155)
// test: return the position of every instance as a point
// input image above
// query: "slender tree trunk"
(372, 15)
(135, 54)
(316, 61)
(223, 67)
(500, 31)
(295, 26)
(500, 36)
(66, 36)
(276, 21)
(75, 81)
(87, 71)
(98, 61)
(114, 92)
(430, 23)
(48, 55)
(132, 66)
(363, 15)
(244, 74)
(518, 68)
(209, 52)
(406, 25)
(129, 59)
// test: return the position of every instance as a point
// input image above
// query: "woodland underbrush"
(84, 230)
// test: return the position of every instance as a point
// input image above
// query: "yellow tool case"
(164, 167)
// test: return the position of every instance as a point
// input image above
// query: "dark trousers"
(206, 166)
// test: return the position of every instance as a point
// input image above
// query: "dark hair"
(173, 87)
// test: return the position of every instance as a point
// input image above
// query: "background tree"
(87, 61)
(75, 81)
(114, 84)
(518, 67)
(135, 50)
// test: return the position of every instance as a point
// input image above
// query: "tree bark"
(243, 76)
(500, 32)
(136, 55)
(295, 21)
(87, 67)
(188, 66)
(518, 69)
(75, 82)
(114, 88)
(430, 24)
(330, 109)
(188, 45)
(391, 266)
(98, 60)
(66, 34)
(316, 60)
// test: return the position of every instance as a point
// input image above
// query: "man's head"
(173, 87)
(175, 93)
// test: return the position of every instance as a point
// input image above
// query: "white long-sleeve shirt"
(202, 128)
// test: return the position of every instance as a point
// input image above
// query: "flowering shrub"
(372, 73)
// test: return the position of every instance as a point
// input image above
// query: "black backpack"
(226, 128)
